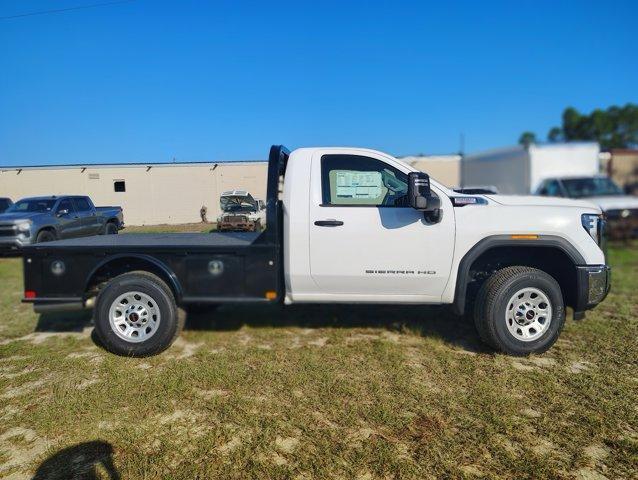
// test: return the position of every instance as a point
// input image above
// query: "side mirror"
(63, 212)
(419, 193)
(420, 196)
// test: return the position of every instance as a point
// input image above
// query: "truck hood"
(538, 201)
(227, 202)
(19, 216)
(615, 202)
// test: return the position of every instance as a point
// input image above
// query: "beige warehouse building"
(170, 193)
(445, 169)
(149, 193)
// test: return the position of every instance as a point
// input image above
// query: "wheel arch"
(48, 228)
(124, 263)
(552, 254)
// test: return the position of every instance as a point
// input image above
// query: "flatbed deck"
(213, 268)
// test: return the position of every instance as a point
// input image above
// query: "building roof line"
(132, 164)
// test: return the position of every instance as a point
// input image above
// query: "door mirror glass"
(62, 212)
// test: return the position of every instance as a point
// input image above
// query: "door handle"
(328, 223)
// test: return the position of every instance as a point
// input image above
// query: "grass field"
(320, 392)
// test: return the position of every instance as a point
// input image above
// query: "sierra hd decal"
(401, 272)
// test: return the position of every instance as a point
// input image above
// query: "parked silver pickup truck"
(43, 219)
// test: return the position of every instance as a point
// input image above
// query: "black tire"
(45, 236)
(492, 303)
(110, 229)
(170, 323)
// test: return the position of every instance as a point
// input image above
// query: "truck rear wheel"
(519, 310)
(136, 315)
(110, 229)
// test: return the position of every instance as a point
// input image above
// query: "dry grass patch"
(320, 392)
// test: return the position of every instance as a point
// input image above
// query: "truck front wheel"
(519, 310)
(136, 315)
(45, 236)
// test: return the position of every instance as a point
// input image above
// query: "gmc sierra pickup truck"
(343, 225)
(44, 219)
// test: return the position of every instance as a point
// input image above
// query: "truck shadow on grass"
(426, 321)
(65, 321)
(84, 461)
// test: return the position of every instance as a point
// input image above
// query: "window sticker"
(358, 184)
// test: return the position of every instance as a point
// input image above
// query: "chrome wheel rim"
(134, 317)
(528, 314)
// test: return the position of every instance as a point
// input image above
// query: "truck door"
(363, 241)
(89, 222)
(67, 219)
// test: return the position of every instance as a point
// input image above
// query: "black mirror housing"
(420, 196)
(419, 193)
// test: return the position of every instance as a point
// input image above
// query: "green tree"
(555, 135)
(527, 138)
(616, 127)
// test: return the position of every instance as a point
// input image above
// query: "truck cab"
(344, 225)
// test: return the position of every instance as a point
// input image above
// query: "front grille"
(621, 213)
(236, 218)
(7, 231)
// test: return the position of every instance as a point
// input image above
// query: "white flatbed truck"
(344, 225)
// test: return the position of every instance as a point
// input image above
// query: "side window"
(553, 189)
(66, 205)
(550, 188)
(542, 190)
(82, 205)
(119, 186)
(354, 180)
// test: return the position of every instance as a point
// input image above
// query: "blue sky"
(151, 80)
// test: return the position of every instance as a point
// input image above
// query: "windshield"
(237, 203)
(4, 204)
(234, 207)
(591, 187)
(39, 206)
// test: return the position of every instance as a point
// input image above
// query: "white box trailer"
(519, 170)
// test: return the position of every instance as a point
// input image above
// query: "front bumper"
(13, 244)
(593, 285)
(236, 227)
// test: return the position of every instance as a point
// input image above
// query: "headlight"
(593, 225)
(24, 227)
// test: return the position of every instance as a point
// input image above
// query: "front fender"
(487, 243)
(37, 227)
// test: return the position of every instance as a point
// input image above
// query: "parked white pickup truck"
(353, 226)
